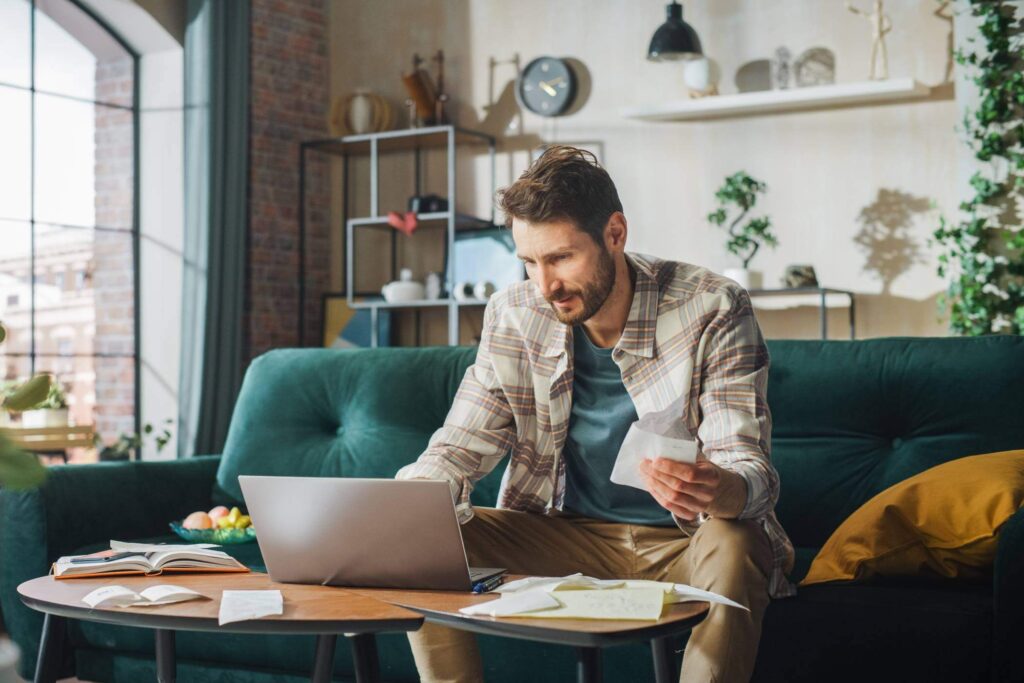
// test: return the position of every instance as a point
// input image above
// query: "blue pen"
(488, 585)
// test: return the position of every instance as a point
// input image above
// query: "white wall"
(823, 168)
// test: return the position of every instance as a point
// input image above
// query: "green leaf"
(18, 469)
(29, 394)
(3, 333)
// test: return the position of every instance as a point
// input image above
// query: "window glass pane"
(15, 42)
(84, 284)
(16, 285)
(84, 162)
(75, 56)
(16, 158)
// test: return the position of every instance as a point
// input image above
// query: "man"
(567, 361)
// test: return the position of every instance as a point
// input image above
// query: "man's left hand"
(689, 489)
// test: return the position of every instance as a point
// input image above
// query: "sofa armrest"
(81, 505)
(1008, 630)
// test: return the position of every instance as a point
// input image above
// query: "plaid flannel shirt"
(690, 342)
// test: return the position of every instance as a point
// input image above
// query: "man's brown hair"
(565, 183)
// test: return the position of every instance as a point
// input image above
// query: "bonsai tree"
(18, 469)
(738, 195)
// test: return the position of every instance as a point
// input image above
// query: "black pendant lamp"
(675, 39)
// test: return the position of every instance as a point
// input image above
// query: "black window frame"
(133, 231)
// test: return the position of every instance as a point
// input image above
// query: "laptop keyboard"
(481, 573)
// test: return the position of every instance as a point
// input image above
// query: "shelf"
(422, 303)
(771, 101)
(462, 221)
(400, 140)
(801, 296)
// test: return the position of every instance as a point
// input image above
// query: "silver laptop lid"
(357, 532)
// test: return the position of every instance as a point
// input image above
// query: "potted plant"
(739, 195)
(128, 444)
(52, 411)
(18, 470)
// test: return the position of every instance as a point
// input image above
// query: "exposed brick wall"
(289, 99)
(113, 268)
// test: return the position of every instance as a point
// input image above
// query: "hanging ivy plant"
(983, 253)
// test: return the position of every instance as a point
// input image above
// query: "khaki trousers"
(729, 557)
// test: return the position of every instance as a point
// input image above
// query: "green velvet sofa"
(850, 419)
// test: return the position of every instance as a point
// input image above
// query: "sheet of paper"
(119, 596)
(123, 546)
(641, 443)
(611, 603)
(531, 601)
(111, 596)
(243, 605)
(550, 583)
(684, 593)
(166, 594)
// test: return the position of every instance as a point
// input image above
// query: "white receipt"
(654, 435)
(243, 605)
(119, 596)
(514, 603)
(550, 583)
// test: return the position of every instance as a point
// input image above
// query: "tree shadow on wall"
(886, 234)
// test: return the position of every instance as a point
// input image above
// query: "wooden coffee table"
(588, 636)
(322, 611)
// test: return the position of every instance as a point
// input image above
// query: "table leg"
(588, 665)
(664, 660)
(364, 657)
(51, 649)
(824, 316)
(166, 666)
(323, 661)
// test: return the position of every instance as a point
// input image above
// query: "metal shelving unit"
(820, 294)
(415, 140)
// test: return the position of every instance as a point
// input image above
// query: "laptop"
(381, 533)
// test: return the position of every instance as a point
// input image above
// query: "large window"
(68, 233)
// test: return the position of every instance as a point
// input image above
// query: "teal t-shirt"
(602, 412)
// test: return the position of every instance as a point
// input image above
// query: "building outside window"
(68, 114)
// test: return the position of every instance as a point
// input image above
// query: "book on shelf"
(146, 560)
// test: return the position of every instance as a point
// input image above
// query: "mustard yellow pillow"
(943, 522)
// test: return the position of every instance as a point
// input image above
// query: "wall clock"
(547, 86)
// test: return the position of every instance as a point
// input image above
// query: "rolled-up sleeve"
(478, 431)
(736, 424)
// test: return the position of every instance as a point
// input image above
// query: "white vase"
(747, 279)
(45, 417)
(701, 75)
(360, 112)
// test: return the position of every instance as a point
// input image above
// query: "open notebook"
(172, 559)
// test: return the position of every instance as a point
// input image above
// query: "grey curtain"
(216, 220)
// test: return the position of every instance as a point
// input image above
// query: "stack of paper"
(583, 597)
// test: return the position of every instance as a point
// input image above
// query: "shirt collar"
(638, 334)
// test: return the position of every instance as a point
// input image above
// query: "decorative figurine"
(880, 25)
(780, 69)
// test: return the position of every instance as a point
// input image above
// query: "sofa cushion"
(330, 412)
(892, 631)
(940, 523)
(850, 419)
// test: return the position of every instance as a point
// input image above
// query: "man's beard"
(593, 295)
